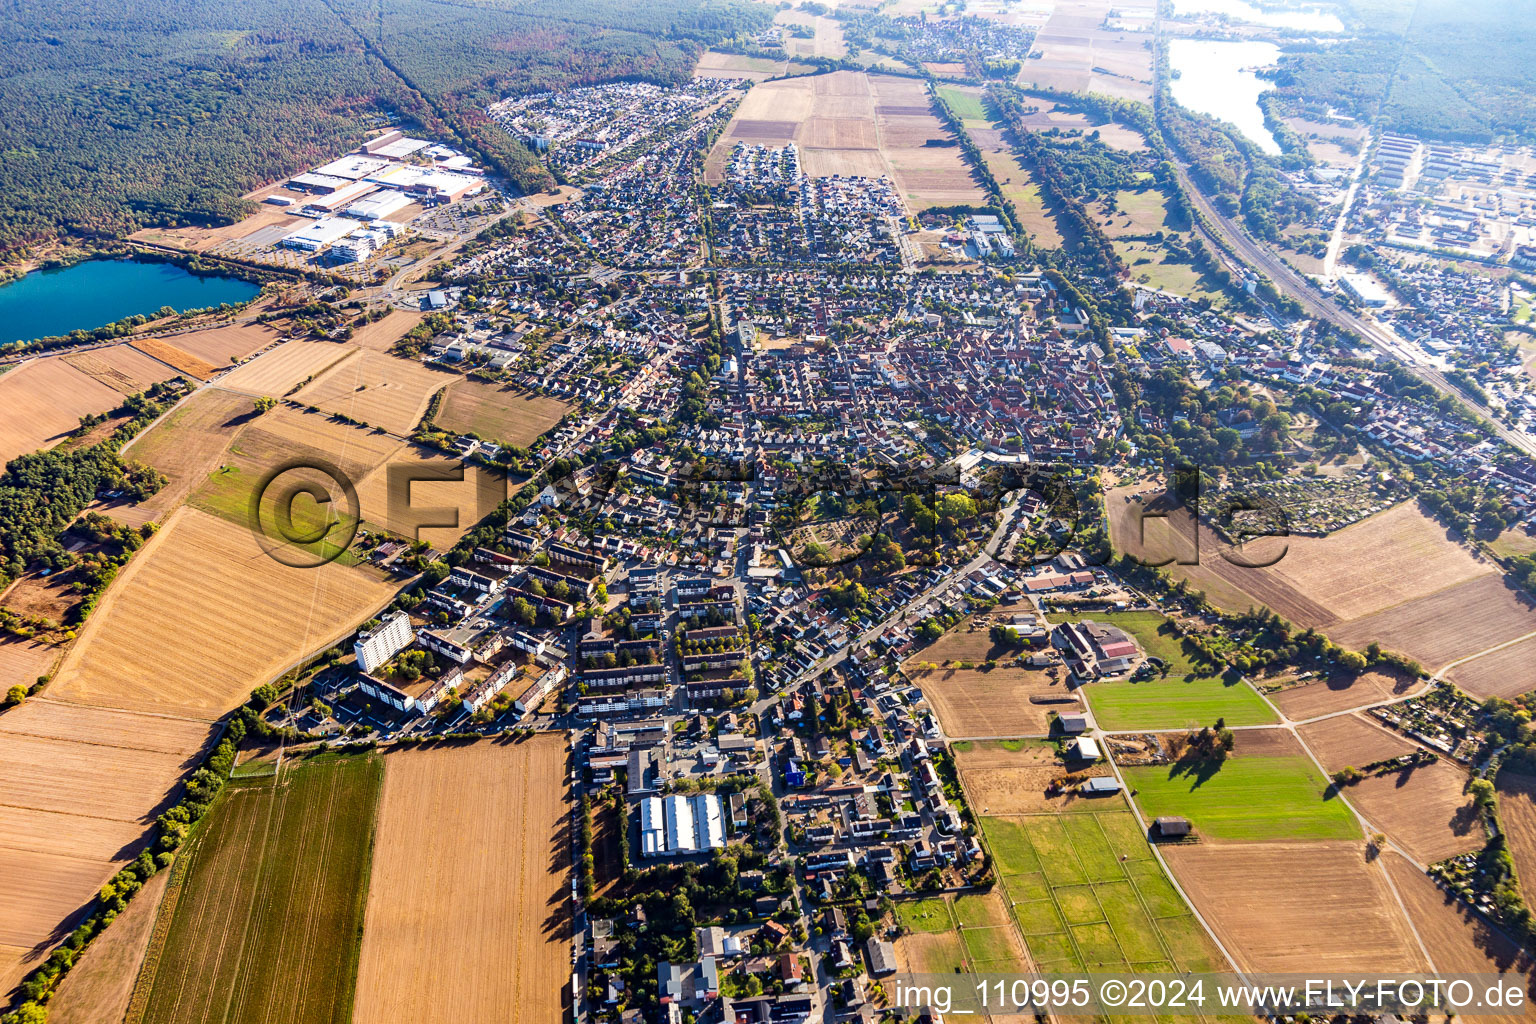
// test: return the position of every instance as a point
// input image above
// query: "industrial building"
(353, 166)
(679, 826)
(378, 205)
(1364, 289)
(315, 237)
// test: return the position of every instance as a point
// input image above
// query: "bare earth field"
(1048, 115)
(22, 661)
(1425, 810)
(186, 445)
(507, 415)
(276, 372)
(1352, 740)
(447, 865)
(173, 355)
(1326, 696)
(43, 401)
(1502, 673)
(263, 615)
(1517, 816)
(732, 65)
(438, 511)
(980, 702)
(1078, 53)
(1324, 908)
(218, 345)
(999, 781)
(1395, 578)
(201, 239)
(381, 334)
(81, 786)
(98, 987)
(1458, 941)
(122, 368)
(376, 389)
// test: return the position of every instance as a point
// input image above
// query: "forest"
(121, 115)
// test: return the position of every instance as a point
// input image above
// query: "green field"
(966, 106)
(1250, 797)
(925, 915)
(1080, 906)
(263, 917)
(1187, 697)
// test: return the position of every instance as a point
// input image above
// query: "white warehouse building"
(384, 641)
(678, 826)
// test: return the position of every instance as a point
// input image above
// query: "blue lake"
(92, 294)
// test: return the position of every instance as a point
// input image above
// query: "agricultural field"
(25, 660)
(438, 511)
(1517, 817)
(282, 369)
(377, 389)
(1501, 673)
(1396, 578)
(220, 583)
(495, 867)
(172, 355)
(382, 334)
(1267, 789)
(971, 933)
(977, 701)
(1324, 905)
(260, 921)
(1186, 697)
(1004, 777)
(100, 984)
(122, 368)
(1426, 810)
(1088, 894)
(827, 41)
(81, 787)
(1455, 938)
(1341, 691)
(1352, 740)
(1079, 51)
(43, 401)
(503, 414)
(229, 343)
(852, 122)
(186, 445)
(1042, 115)
(732, 65)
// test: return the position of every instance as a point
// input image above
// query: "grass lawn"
(1187, 697)
(965, 105)
(924, 915)
(1253, 798)
(1087, 907)
(1154, 266)
(1142, 211)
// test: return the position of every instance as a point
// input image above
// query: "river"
(98, 292)
(1215, 77)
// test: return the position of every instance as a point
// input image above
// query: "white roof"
(323, 232)
(352, 166)
(1087, 749)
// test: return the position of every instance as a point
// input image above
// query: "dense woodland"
(119, 115)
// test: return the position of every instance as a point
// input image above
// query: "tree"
(1482, 792)
(264, 404)
(15, 695)
(1354, 661)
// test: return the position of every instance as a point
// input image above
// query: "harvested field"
(1458, 940)
(122, 368)
(218, 346)
(43, 401)
(505, 414)
(1324, 907)
(220, 583)
(1425, 810)
(380, 335)
(1503, 673)
(100, 984)
(261, 918)
(186, 445)
(1396, 578)
(1517, 817)
(1076, 52)
(82, 786)
(1341, 692)
(1001, 781)
(1352, 740)
(172, 355)
(732, 65)
(976, 701)
(22, 661)
(279, 371)
(423, 495)
(499, 871)
(376, 389)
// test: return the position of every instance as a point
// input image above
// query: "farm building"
(1073, 722)
(678, 826)
(1171, 827)
(1086, 748)
(1094, 649)
(1102, 785)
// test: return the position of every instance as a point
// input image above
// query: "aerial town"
(756, 514)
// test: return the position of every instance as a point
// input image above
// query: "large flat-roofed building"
(394, 145)
(353, 166)
(379, 204)
(376, 646)
(321, 206)
(679, 826)
(317, 184)
(316, 236)
(1365, 290)
(429, 181)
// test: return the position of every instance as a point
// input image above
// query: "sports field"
(1087, 893)
(261, 920)
(1187, 696)
(1273, 792)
